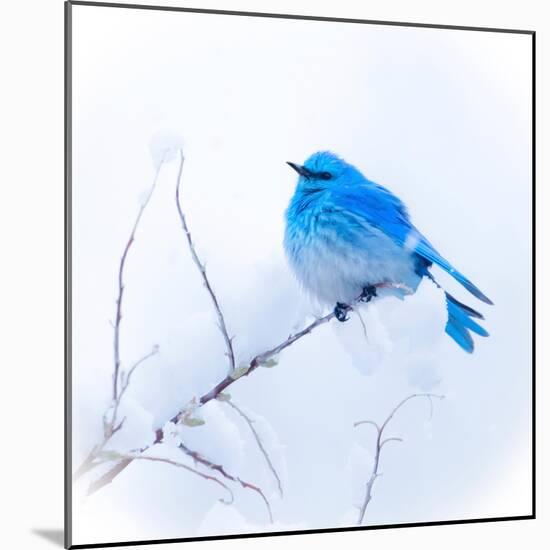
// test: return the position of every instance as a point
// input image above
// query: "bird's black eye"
(325, 175)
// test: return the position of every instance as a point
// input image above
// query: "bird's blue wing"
(427, 251)
(383, 210)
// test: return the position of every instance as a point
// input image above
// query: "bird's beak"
(302, 170)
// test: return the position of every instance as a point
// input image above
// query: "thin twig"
(126, 382)
(202, 270)
(122, 264)
(111, 426)
(381, 442)
(189, 469)
(263, 450)
(219, 468)
(355, 424)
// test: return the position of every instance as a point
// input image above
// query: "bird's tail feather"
(460, 322)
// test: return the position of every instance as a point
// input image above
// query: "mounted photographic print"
(299, 274)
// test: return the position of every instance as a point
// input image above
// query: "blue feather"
(460, 321)
(460, 335)
(385, 211)
(426, 250)
(344, 232)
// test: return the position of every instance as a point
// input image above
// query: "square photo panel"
(299, 274)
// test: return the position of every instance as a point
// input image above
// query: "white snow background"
(440, 117)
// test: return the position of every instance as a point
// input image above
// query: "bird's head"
(321, 171)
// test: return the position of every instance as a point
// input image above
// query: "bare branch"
(126, 460)
(259, 443)
(122, 264)
(111, 426)
(126, 381)
(370, 483)
(371, 422)
(189, 469)
(429, 396)
(219, 468)
(381, 442)
(247, 485)
(202, 270)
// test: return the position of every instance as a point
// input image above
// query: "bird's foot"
(341, 312)
(369, 292)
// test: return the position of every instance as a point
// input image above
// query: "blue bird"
(347, 236)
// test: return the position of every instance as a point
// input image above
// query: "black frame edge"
(534, 265)
(304, 532)
(297, 16)
(68, 274)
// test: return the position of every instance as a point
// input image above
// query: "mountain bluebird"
(348, 238)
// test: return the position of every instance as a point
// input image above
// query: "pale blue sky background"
(440, 117)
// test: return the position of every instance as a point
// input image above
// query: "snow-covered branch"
(257, 361)
(185, 415)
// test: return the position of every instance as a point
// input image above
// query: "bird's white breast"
(336, 268)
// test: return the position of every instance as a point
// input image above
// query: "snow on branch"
(381, 441)
(185, 415)
(257, 361)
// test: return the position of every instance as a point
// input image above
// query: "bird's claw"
(369, 292)
(341, 312)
